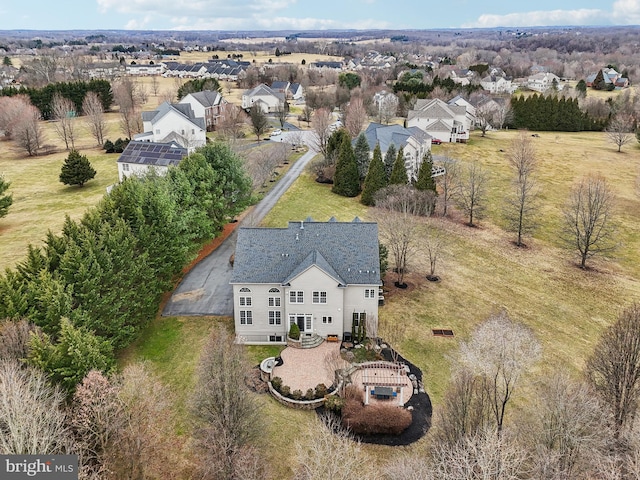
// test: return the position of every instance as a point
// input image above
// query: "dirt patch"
(413, 281)
(192, 295)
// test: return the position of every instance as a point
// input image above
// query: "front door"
(300, 322)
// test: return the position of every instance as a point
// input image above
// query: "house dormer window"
(296, 296)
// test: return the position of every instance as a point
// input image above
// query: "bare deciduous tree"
(129, 98)
(521, 206)
(355, 116)
(472, 191)
(486, 455)
(588, 219)
(227, 413)
(448, 182)
(63, 113)
(387, 108)
(14, 339)
(321, 120)
(11, 109)
(620, 130)
(235, 119)
(281, 113)
(33, 421)
(155, 85)
(433, 243)
(398, 209)
(566, 426)
(27, 131)
(614, 367)
(500, 351)
(485, 117)
(394, 333)
(329, 451)
(465, 410)
(94, 117)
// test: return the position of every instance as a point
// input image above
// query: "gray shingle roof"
(385, 135)
(207, 98)
(183, 109)
(346, 251)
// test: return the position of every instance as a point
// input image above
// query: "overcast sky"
(309, 14)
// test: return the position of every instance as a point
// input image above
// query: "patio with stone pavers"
(302, 369)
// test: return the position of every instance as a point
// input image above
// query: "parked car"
(275, 133)
(436, 141)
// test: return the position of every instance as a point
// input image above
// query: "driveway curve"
(205, 290)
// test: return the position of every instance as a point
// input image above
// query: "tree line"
(551, 113)
(93, 287)
(43, 98)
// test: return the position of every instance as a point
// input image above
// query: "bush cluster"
(311, 394)
(375, 419)
(115, 147)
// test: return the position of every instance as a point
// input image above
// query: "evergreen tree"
(5, 200)
(425, 180)
(334, 143)
(363, 159)
(376, 178)
(76, 169)
(389, 160)
(259, 121)
(76, 352)
(346, 181)
(6, 61)
(399, 171)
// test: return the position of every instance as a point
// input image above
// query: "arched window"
(245, 290)
(274, 290)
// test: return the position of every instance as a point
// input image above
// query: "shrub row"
(311, 394)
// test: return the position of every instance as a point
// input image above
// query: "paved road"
(205, 290)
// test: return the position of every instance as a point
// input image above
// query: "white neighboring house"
(414, 142)
(207, 104)
(322, 276)
(174, 122)
(144, 70)
(268, 99)
(138, 158)
(541, 82)
(497, 84)
(448, 123)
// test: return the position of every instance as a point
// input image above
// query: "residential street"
(205, 290)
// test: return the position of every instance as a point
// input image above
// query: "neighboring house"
(268, 99)
(382, 97)
(174, 122)
(327, 65)
(144, 70)
(497, 84)
(207, 104)
(413, 140)
(290, 90)
(138, 158)
(460, 101)
(541, 82)
(462, 76)
(448, 123)
(322, 276)
(607, 78)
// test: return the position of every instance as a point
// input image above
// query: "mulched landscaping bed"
(422, 412)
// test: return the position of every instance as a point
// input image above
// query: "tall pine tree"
(346, 181)
(389, 160)
(5, 200)
(363, 159)
(376, 178)
(399, 171)
(425, 180)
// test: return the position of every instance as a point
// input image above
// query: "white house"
(144, 70)
(497, 84)
(541, 82)
(174, 122)
(322, 276)
(264, 96)
(414, 142)
(138, 158)
(207, 104)
(448, 123)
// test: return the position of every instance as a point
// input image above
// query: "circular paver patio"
(304, 368)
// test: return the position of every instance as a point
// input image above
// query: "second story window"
(296, 296)
(319, 297)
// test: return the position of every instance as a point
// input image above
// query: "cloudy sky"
(309, 14)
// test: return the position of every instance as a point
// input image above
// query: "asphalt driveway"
(205, 290)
